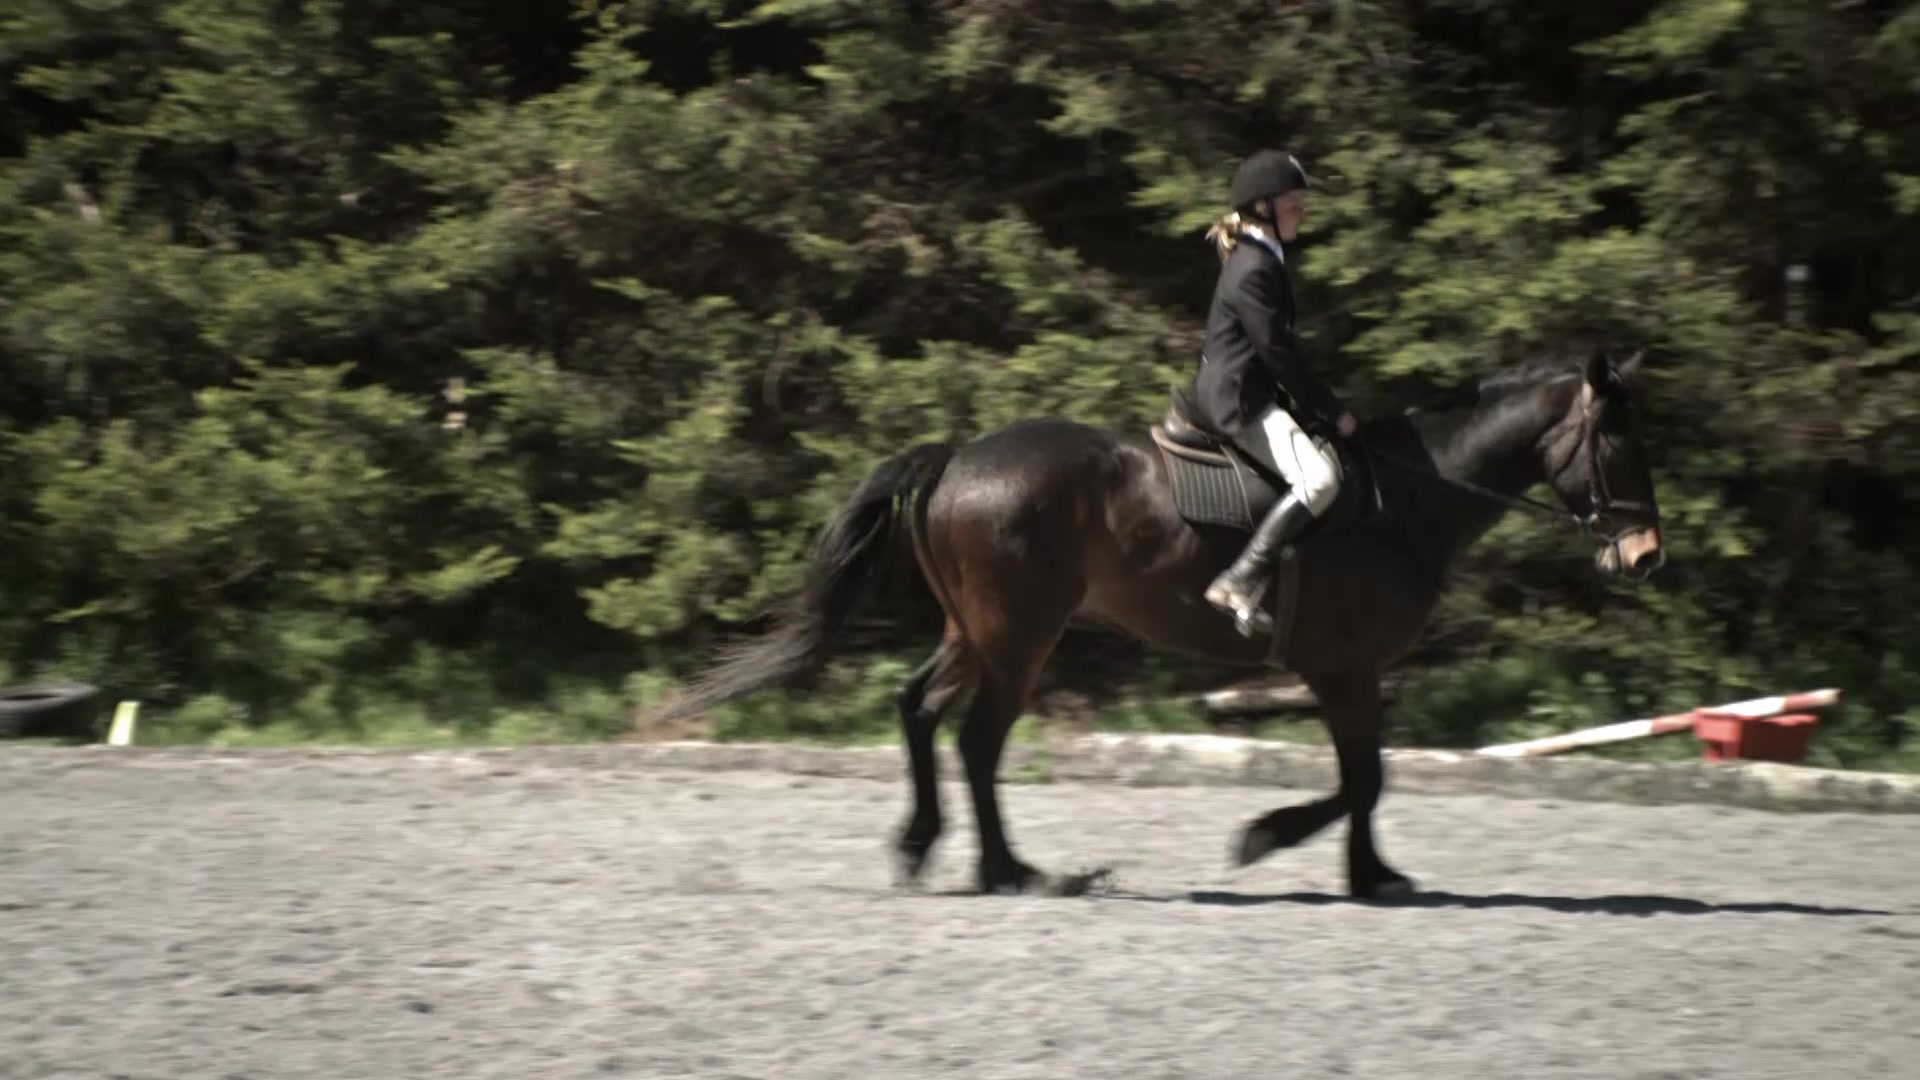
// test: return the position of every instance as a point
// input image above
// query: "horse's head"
(1598, 467)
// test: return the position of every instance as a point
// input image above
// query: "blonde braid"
(1225, 233)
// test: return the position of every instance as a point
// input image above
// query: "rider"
(1254, 385)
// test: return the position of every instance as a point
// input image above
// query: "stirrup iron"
(1253, 619)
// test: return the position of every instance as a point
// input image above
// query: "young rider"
(1255, 385)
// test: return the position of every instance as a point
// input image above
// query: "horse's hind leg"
(1006, 541)
(923, 699)
(1010, 660)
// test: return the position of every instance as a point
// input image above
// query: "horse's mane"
(1528, 374)
(1469, 416)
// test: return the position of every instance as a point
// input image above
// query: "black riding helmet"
(1266, 174)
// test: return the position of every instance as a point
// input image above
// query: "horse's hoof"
(1256, 843)
(1023, 880)
(907, 871)
(1082, 884)
(1014, 879)
(1281, 829)
(1386, 890)
(910, 864)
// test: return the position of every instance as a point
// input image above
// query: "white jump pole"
(1659, 725)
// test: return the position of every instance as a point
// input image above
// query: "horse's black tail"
(852, 552)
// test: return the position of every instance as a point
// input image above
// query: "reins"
(1599, 497)
(1519, 501)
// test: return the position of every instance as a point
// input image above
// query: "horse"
(1049, 522)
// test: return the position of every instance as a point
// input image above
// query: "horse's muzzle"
(1637, 554)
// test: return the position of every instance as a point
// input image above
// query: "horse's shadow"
(1642, 906)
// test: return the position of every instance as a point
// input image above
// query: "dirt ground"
(176, 915)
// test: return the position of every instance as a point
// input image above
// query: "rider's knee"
(1320, 484)
(1320, 491)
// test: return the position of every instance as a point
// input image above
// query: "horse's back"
(1047, 435)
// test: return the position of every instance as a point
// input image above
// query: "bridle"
(1597, 522)
(1600, 501)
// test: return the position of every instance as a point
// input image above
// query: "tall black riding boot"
(1240, 590)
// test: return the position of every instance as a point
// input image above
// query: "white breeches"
(1309, 464)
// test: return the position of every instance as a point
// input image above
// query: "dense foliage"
(361, 355)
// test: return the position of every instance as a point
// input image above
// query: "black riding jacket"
(1253, 358)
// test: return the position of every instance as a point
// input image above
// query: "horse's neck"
(1495, 445)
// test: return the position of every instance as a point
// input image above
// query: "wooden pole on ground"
(1659, 725)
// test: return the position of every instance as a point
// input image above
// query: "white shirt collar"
(1260, 237)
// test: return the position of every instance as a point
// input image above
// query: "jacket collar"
(1259, 236)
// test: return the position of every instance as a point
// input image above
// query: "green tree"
(353, 352)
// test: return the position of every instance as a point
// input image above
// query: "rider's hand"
(1348, 425)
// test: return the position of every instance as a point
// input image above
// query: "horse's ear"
(1599, 372)
(1630, 370)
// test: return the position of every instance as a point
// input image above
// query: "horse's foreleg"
(1354, 718)
(1351, 710)
(1340, 699)
(923, 699)
(1286, 827)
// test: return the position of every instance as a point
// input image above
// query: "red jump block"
(1730, 736)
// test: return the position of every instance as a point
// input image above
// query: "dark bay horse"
(1048, 521)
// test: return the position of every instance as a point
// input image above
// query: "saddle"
(1218, 482)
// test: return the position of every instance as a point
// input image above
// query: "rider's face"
(1289, 211)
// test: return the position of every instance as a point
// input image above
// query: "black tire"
(48, 709)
